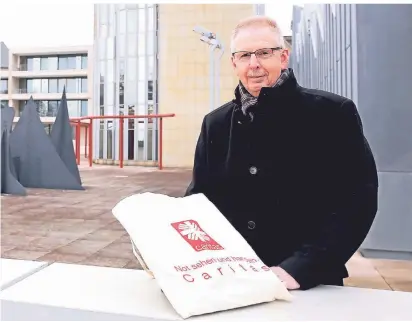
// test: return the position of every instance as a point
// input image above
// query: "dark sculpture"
(37, 162)
(9, 182)
(61, 136)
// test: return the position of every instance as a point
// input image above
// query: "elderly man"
(288, 166)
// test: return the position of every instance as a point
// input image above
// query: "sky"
(57, 24)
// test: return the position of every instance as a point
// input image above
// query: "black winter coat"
(299, 182)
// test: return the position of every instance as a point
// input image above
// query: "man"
(288, 166)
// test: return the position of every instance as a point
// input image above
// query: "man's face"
(257, 72)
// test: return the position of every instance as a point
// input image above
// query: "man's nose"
(254, 62)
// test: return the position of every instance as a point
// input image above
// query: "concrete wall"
(184, 71)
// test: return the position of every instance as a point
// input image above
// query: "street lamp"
(214, 43)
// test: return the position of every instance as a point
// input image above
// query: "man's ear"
(233, 62)
(284, 58)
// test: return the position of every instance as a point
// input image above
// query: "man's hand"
(288, 280)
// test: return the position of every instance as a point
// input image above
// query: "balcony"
(23, 72)
(22, 94)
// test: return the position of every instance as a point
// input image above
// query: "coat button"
(253, 170)
(251, 225)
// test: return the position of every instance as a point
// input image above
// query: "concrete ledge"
(67, 291)
(13, 271)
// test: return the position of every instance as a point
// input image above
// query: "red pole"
(121, 143)
(78, 142)
(161, 144)
(91, 142)
(85, 141)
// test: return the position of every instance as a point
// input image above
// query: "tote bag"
(200, 262)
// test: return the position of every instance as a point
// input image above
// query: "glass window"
(142, 44)
(84, 62)
(131, 6)
(142, 21)
(62, 84)
(131, 21)
(141, 92)
(63, 63)
(78, 62)
(122, 21)
(3, 86)
(71, 85)
(73, 107)
(150, 90)
(102, 48)
(84, 85)
(30, 86)
(110, 71)
(30, 64)
(150, 43)
(110, 93)
(71, 62)
(102, 71)
(101, 95)
(142, 68)
(131, 69)
(53, 85)
(104, 11)
(36, 85)
(83, 110)
(122, 45)
(44, 85)
(36, 63)
(42, 108)
(150, 67)
(44, 63)
(53, 63)
(131, 93)
(52, 109)
(132, 45)
(110, 48)
(150, 17)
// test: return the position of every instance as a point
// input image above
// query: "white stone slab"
(15, 270)
(131, 293)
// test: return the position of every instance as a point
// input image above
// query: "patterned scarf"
(247, 100)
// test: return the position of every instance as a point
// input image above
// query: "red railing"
(77, 122)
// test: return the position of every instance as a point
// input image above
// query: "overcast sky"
(59, 24)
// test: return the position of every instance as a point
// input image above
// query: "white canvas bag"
(199, 260)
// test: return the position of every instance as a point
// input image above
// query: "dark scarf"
(248, 100)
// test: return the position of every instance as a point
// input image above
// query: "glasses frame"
(254, 52)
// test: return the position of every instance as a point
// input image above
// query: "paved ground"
(78, 227)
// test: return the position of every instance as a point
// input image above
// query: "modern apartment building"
(43, 73)
(363, 51)
(148, 60)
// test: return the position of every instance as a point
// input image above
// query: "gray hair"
(261, 21)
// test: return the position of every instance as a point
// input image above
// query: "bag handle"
(140, 260)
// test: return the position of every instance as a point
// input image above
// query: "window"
(150, 90)
(62, 84)
(4, 86)
(73, 107)
(150, 22)
(63, 63)
(142, 68)
(44, 85)
(131, 69)
(83, 111)
(142, 44)
(44, 63)
(122, 45)
(132, 45)
(29, 64)
(122, 21)
(36, 85)
(150, 43)
(84, 62)
(53, 107)
(71, 62)
(84, 85)
(53, 85)
(36, 63)
(71, 85)
(53, 63)
(131, 21)
(30, 86)
(142, 21)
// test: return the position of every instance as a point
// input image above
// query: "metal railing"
(77, 122)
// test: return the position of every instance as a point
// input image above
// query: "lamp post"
(214, 43)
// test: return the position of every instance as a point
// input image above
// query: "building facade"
(43, 73)
(148, 60)
(363, 52)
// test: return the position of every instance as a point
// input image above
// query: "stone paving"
(78, 226)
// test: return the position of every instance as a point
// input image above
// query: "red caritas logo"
(195, 236)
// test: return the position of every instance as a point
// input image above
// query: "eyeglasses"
(264, 53)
